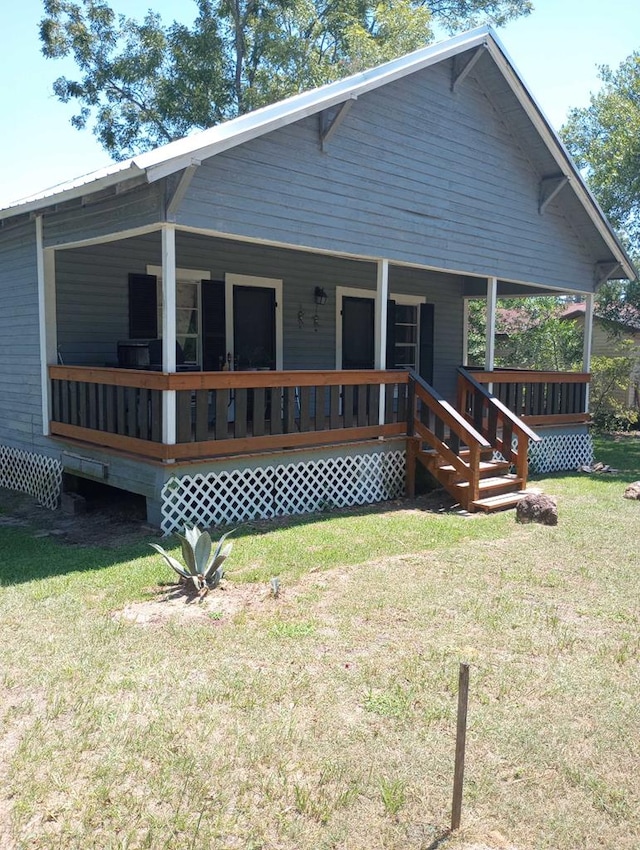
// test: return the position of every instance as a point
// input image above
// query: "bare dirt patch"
(176, 602)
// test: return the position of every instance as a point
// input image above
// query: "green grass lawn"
(326, 718)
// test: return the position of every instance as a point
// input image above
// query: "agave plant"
(202, 567)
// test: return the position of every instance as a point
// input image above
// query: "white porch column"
(169, 330)
(465, 332)
(587, 340)
(380, 352)
(492, 297)
(46, 272)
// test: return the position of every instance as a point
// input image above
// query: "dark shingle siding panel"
(138, 207)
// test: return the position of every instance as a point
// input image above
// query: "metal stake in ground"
(461, 735)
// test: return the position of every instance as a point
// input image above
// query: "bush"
(610, 378)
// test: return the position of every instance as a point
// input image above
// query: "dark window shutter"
(358, 332)
(426, 342)
(143, 310)
(213, 325)
(391, 334)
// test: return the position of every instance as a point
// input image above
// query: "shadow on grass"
(620, 451)
(26, 557)
(32, 551)
(440, 840)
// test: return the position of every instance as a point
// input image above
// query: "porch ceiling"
(477, 288)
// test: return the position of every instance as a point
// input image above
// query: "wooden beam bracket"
(550, 186)
(605, 270)
(174, 198)
(330, 120)
(463, 65)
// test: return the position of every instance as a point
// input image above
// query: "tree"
(142, 83)
(608, 400)
(529, 335)
(604, 139)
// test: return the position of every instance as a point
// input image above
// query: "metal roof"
(192, 149)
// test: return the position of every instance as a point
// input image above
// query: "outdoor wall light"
(320, 296)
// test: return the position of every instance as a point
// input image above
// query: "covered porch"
(272, 351)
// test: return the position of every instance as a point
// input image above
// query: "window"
(405, 355)
(188, 311)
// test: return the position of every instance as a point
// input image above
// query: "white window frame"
(412, 301)
(195, 276)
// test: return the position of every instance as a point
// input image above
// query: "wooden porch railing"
(495, 421)
(454, 441)
(219, 413)
(540, 398)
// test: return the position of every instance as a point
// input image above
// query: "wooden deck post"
(412, 455)
(461, 738)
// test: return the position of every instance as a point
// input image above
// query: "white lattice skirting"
(296, 488)
(38, 475)
(560, 452)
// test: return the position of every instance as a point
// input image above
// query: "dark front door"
(358, 333)
(254, 327)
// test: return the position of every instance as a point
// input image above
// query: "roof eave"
(76, 189)
(560, 154)
(310, 103)
(160, 163)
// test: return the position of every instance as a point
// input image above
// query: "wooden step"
(501, 502)
(487, 467)
(495, 484)
(463, 454)
(488, 452)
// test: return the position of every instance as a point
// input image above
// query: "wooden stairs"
(458, 446)
(498, 488)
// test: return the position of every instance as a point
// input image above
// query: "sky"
(557, 50)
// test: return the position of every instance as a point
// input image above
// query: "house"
(307, 266)
(614, 338)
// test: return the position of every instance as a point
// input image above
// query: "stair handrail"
(458, 425)
(497, 411)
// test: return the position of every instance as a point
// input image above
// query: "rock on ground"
(536, 507)
(633, 491)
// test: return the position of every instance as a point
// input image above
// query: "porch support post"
(492, 297)
(465, 332)
(169, 330)
(588, 336)
(46, 271)
(382, 296)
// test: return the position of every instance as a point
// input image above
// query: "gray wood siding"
(92, 292)
(92, 296)
(414, 173)
(20, 392)
(138, 207)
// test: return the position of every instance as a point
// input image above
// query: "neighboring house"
(611, 339)
(298, 260)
